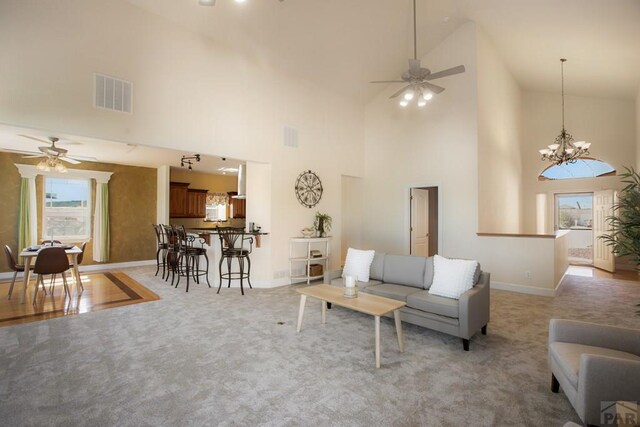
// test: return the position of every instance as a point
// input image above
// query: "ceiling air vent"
(113, 94)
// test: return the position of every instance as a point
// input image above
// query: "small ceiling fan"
(50, 151)
(418, 77)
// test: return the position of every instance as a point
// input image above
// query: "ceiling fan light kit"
(53, 156)
(417, 78)
(564, 149)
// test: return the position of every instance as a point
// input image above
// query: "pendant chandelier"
(564, 149)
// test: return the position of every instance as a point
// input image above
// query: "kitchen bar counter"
(206, 233)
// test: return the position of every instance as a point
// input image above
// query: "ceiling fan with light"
(53, 155)
(418, 78)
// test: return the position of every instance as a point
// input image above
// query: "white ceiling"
(343, 44)
(91, 149)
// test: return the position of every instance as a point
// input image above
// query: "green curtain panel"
(101, 241)
(24, 216)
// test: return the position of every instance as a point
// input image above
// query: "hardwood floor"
(101, 291)
(588, 271)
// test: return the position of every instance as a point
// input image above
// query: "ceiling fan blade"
(44, 141)
(399, 92)
(33, 156)
(70, 160)
(388, 81)
(448, 72)
(414, 66)
(433, 88)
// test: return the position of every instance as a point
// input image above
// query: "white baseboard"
(523, 289)
(94, 267)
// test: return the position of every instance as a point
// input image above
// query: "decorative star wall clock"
(308, 189)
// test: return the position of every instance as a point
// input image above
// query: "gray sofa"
(408, 278)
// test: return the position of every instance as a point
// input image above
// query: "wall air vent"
(113, 94)
(290, 137)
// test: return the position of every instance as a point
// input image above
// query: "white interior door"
(602, 208)
(419, 222)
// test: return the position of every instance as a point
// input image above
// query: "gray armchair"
(593, 364)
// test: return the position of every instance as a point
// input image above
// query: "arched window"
(583, 168)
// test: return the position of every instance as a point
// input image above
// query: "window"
(582, 168)
(66, 213)
(217, 213)
(217, 204)
(574, 211)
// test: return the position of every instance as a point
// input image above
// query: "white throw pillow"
(358, 264)
(452, 277)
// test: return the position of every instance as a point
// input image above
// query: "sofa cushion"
(567, 356)
(404, 270)
(377, 267)
(424, 301)
(452, 277)
(389, 290)
(358, 264)
(361, 285)
(428, 273)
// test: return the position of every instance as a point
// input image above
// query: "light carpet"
(207, 359)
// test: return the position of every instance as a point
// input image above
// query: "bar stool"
(188, 260)
(232, 247)
(162, 248)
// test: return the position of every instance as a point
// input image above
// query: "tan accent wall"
(206, 181)
(132, 208)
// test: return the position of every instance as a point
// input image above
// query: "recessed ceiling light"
(207, 2)
(225, 170)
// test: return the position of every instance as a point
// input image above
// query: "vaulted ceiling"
(343, 44)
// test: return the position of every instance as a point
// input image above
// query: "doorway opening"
(423, 220)
(574, 212)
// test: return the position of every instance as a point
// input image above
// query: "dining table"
(31, 253)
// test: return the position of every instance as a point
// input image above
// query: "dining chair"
(15, 267)
(50, 260)
(79, 258)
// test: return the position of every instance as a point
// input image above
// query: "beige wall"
(638, 131)
(190, 92)
(432, 146)
(132, 208)
(499, 143)
(609, 124)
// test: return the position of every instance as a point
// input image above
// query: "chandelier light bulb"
(554, 147)
(404, 103)
(408, 95)
(422, 102)
(427, 96)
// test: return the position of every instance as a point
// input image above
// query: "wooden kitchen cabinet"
(236, 206)
(196, 203)
(178, 199)
(185, 202)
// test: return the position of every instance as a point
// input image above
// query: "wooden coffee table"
(373, 305)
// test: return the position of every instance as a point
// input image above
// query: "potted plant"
(625, 220)
(322, 223)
